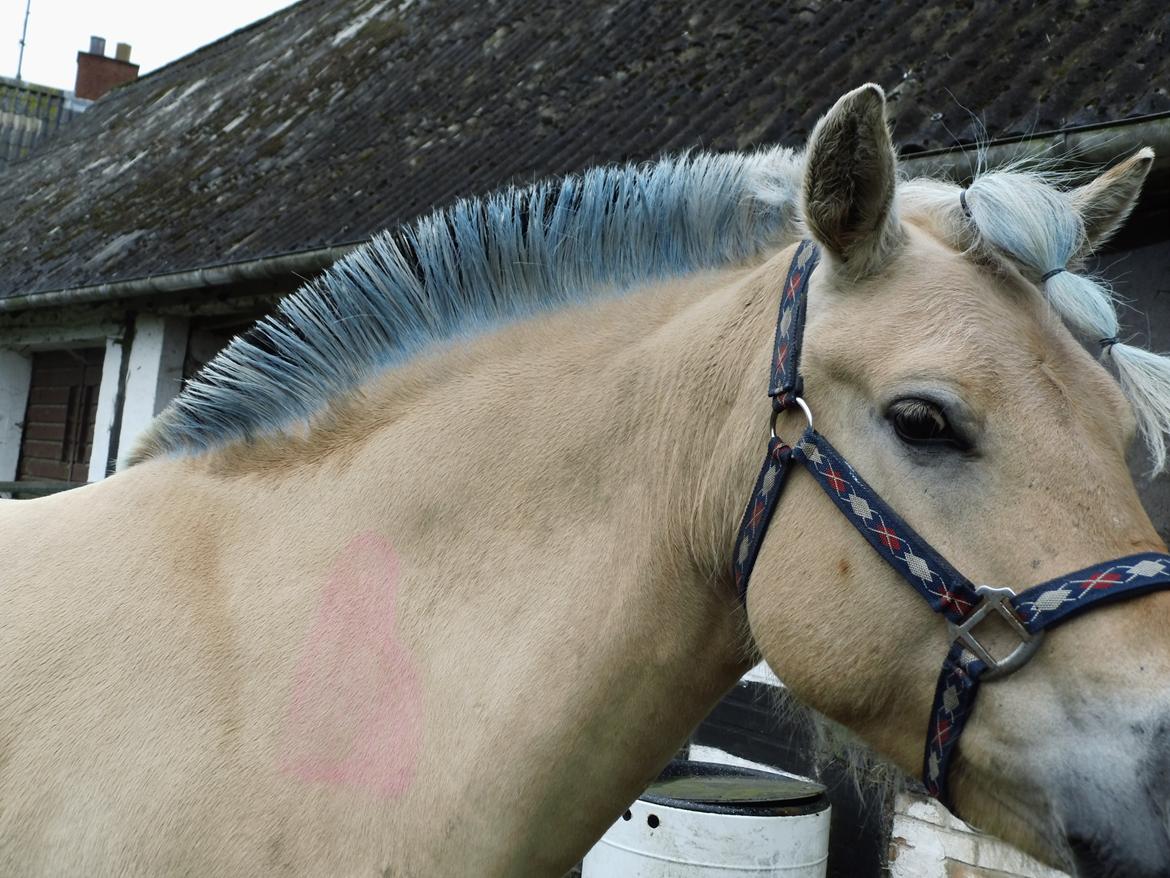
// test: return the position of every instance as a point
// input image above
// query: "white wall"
(154, 374)
(107, 411)
(929, 842)
(141, 377)
(15, 375)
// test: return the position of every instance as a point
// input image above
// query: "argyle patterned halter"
(950, 594)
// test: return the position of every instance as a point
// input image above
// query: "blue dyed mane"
(473, 266)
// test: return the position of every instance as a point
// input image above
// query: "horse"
(429, 572)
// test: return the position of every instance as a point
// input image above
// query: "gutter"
(305, 262)
(1070, 149)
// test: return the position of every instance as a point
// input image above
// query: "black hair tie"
(1052, 274)
(1107, 343)
(963, 203)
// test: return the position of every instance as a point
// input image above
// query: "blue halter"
(964, 605)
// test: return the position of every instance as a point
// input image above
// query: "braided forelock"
(1023, 218)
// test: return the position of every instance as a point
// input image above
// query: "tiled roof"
(29, 113)
(330, 120)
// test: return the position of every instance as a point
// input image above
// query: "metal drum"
(701, 820)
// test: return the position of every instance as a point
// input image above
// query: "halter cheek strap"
(784, 387)
(950, 594)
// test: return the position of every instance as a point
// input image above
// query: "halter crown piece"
(950, 594)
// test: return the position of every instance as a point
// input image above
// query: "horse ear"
(1105, 203)
(849, 178)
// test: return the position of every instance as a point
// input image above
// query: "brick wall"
(97, 74)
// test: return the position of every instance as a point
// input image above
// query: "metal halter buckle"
(998, 600)
(802, 405)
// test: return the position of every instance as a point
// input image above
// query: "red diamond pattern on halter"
(757, 514)
(944, 727)
(1105, 580)
(793, 284)
(834, 479)
(947, 600)
(889, 539)
(781, 354)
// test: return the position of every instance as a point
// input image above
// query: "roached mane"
(476, 265)
(522, 251)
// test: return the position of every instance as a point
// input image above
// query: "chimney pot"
(97, 73)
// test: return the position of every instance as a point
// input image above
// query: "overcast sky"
(158, 30)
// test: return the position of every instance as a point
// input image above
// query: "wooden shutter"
(62, 408)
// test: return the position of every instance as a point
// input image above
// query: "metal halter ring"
(999, 601)
(802, 405)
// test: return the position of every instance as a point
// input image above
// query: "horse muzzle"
(1123, 831)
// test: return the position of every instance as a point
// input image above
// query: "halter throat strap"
(948, 592)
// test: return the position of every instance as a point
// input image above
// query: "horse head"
(946, 357)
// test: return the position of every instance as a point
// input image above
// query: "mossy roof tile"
(331, 120)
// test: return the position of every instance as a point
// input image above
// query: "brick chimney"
(97, 74)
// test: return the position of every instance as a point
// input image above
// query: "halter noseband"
(964, 605)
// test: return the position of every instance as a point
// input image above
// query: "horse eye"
(922, 422)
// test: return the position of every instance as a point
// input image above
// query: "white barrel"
(781, 830)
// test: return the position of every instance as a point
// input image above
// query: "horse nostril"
(1094, 858)
(1082, 848)
(1091, 861)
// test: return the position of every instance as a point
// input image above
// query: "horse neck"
(559, 501)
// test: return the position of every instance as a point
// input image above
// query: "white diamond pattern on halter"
(950, 699)
(1147, 567)
(860, 507)
(918, 566)
(786, 320)
(812, 453)
(1050, 600)
(769, 480)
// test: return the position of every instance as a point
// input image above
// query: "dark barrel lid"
(729, 789)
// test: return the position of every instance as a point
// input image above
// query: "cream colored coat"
(459, 625)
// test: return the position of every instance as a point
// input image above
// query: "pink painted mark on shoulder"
(356, 713)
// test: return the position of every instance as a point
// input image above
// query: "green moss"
(380, 31)
(271, 147)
